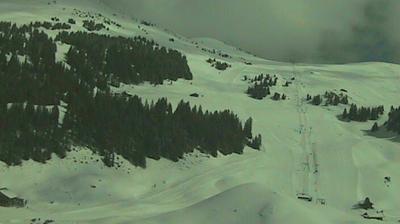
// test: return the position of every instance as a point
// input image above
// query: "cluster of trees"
(261, 86)
(51, 26)
(366, 204)
(213, 51)
(55, 19)
(27, 59)
(375, 127)
(218, 65)
(61, 26)
(258, 91)
(33, 85)
(117, 124)
(221, 65)
(30, 132)
(224, 55)
(315, 100)
(146, 23)
(265, 80)
(71, 21)
(331, 98)
(95, 17)
(278, 96)
(101, 58)
(111, 22)
(362, 113)
(334, 99)
(393, 123)
(253, 142)
(28, 67)
(91, 25)
(153, 130)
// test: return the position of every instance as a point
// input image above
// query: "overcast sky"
(334, 31)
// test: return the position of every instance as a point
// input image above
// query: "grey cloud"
(319, 31)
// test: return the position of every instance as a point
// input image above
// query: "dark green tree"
(248, 126)
(316, 100)
(375, 127)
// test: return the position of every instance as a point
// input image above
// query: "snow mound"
(250, 203)
(247, 203)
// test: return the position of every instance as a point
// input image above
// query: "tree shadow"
(382, 133)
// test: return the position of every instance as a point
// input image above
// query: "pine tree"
(109, 158)
(256, 142)
(71, 21)
(352, 112)
(381, 109)
(275, 81)
(393, 123)
(317, 100)
(375, 127)
(336, 100)
(344, 114)
(276, 96)
(13, 66)
(248, 126)
(55, 114)
(344, 100)
(374, 114)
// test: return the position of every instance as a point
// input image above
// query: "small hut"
(8, 199)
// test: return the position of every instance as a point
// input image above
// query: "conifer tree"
(256, 142)
(276, 96)
(344, 100)
(316, 100)
(344, 114)
(248, 126)
(375, 127)
(352, 112)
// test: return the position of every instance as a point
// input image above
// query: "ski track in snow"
(309, 162)
(309, 147)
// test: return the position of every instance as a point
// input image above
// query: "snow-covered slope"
(257, 187)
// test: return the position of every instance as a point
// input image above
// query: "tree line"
(51, 26)
(28, 67)
(218, 64)
(260, 86)
(30, 132)
(112, 124)
(135, 129)
(28, 61)
(331, 98)
(91, 25)
(128, 60)
(393, 123)
(34, 86)
(362, 113)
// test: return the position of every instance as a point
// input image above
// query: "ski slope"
(256, 187)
